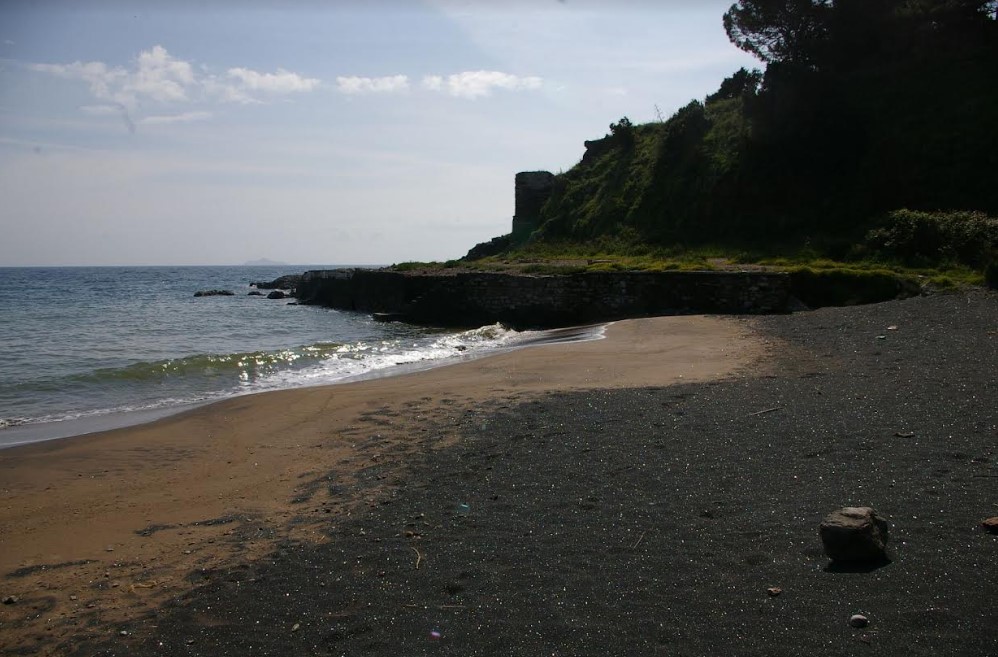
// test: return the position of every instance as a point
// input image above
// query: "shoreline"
(575, 499)
(117, 521)
(18, 435)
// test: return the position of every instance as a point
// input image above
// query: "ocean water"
(89, 348)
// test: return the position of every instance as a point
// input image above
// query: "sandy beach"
(633, 495)
(101, 527)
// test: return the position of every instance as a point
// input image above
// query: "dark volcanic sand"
(652, 521)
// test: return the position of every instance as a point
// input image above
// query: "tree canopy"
(778, 30)
(832, 34)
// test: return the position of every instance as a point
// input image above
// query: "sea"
(92, 348)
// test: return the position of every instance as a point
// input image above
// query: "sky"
(192, 132)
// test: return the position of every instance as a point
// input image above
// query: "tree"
(836, 34)
(622, 128)
(784, 31)
(622, 132)
(742, 83)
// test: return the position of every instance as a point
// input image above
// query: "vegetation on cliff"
(865, 107)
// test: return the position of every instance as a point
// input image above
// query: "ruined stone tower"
(532, 190)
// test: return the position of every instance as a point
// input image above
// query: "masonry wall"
(532, 190)
(522, 301)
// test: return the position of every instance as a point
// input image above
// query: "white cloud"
(468, 84)
(160, 77)
(97, 74)
(476, 84)
(186, 117)
(157, 77)
(357, 85)
(282, 82)
(226, 92)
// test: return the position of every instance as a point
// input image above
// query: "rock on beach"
(854, 534)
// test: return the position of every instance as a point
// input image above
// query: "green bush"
(934, 238)
(412, 265)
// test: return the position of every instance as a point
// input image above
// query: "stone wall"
(522, 301)
(532, 189)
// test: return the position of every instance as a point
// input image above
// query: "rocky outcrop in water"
(214, 293)
(286, 282)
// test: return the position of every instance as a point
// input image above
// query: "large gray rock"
(854, 534)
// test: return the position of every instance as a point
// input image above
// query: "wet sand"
(99, 531)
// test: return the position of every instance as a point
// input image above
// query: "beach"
(632, 495)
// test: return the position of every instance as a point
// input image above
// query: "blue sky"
(337, 132)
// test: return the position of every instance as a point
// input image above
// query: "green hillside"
(864, 108)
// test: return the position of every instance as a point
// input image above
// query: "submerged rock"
(214, 293)
(854, 534)
(276, 294)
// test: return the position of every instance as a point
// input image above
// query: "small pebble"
(123, 633)
(859, 620)
(294, 628)
(990, 525)
(10, 600)
(774, 591)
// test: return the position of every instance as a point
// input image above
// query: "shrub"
(933, 238)
(412, 265)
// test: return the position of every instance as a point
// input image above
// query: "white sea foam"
(260, 372)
